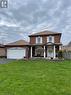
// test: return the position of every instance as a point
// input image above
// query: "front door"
(39, 51)
(50, 52)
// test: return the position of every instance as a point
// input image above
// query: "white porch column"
(31, 51)
(60, 47)
(44, 52)
(54, 52)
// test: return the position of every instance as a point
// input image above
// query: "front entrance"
(46, 51)
(50, 52)
(39, 51)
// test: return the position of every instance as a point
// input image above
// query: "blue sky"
(24, 17)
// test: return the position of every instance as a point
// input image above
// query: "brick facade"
(44, 39)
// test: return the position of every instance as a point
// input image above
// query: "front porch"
(44, 51)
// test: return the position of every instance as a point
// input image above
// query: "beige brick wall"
(2, 51)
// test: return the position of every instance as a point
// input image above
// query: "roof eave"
(34, 35)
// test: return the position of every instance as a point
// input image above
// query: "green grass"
(35, 77)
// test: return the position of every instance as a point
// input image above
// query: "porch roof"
(45, 44)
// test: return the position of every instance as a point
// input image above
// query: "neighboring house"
(44, 44)
(67, 51)
(17, 50)
(67, 47)
(2, 51)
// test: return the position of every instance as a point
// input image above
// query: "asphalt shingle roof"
(44, 33)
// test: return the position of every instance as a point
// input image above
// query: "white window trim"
(52, 39)
(37, 40)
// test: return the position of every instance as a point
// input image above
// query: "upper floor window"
(38, 39)
(50, 39)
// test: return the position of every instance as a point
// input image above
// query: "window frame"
(38, 42)
(52, 41)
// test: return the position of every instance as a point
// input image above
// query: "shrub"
(60, 54)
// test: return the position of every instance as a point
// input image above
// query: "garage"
(16, 53)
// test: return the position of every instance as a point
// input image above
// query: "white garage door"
(16, 53)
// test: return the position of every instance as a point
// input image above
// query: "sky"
(24, 17)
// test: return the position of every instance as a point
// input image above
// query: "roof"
(1, 45)
(69, 44)
(47, 44)
(18, 43)
(44, 33)
(66, 48)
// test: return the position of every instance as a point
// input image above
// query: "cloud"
(7, 24)
(23, 17)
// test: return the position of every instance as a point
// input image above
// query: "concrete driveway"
(4, 60)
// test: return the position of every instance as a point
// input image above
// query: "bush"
(60, 54)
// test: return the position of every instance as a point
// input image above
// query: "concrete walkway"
(4, 60)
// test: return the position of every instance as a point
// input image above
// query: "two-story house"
(45, 44)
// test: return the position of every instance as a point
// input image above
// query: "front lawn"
(36, 77)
